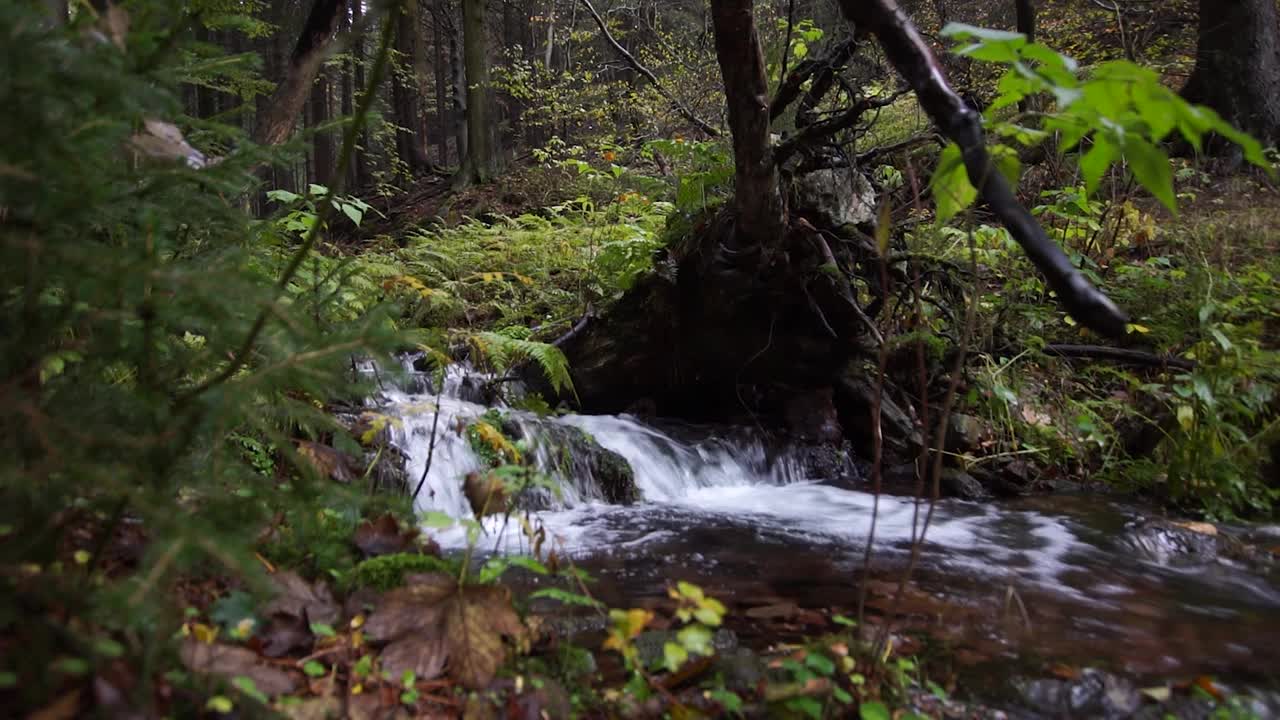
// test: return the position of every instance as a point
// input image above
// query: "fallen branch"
(862, 159)
(913, 59)
(635, 64)
(1119, 355)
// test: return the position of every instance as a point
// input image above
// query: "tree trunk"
(1026, 24)
(458, 90)
(422, 85)
(478, 165)
(444, 119)
(322, 142)
(1238, 65)
(404, 101)
(360, 168)
(305, 61)
(757, 196)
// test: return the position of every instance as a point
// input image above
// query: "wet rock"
(1094, 694)
(741, 669)
(1170, 543)
(810, 415)
(966, 432)
(830, 462)
(856, 396)
(957, 483)
(595, 471)
(835, 196)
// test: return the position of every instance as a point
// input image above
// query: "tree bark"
(1238, 64)
(757, 195)
(305, 61)
(444, 118)
(478, 165)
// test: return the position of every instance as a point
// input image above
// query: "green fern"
(505, 352)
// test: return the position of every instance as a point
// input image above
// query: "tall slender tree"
(478, 165)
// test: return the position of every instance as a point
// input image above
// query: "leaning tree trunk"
(1238, 64)
(308, 55)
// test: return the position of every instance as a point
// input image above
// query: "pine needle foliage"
(128, 294)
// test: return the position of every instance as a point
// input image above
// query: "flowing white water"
(692, 478)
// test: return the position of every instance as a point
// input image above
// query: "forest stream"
(1009, 588)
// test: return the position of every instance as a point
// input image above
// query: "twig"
(1119, 355)
(648, 74)
(431, 445)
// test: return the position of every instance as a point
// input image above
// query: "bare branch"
(631, 60)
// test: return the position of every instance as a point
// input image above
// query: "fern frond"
(504, 352)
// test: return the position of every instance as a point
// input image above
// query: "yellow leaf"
(1186, 416)
(883, 225)
(82, 557)
(1136, 328)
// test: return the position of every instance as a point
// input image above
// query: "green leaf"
(951, 188)
(696, 639)
(820, 663)
(247, 686)
(1094, 164)
(673, 656)
(434, 520)
(1151, 169)
(566, 597)
(353, 212)
(8, 680)
(220, 704)
(963, 31)
(314, 669)
(873, 711)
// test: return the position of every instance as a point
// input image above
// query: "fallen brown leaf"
(423, 651)
(773, 612)
(329, 462)
(416, 606)
(285, 634)
(299, 599)
(475, 621)
(486, 493)
(384, 536)
(230, 661)
(1202, 528)
(64, 708)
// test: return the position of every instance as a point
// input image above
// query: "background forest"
(319, 319)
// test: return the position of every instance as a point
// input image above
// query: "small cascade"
(667, 464)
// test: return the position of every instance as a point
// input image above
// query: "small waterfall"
(668, 464)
